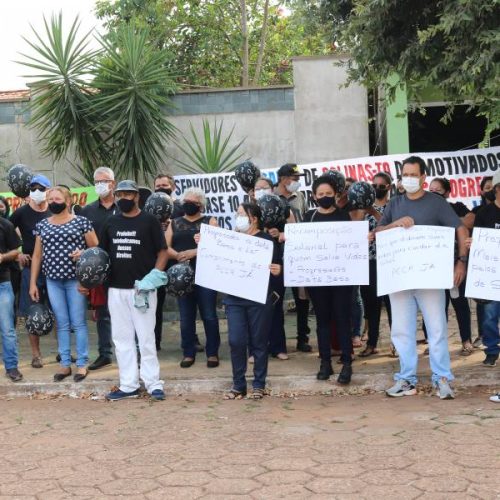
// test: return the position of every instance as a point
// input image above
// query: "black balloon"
(39, 319)
(338, 180)
(361, 195)
(180, 279)
(160, 205)
(92, 268)
(19, 179)
(246, 174)
(273, 210)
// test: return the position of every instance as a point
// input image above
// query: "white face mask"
(102, 189)
(242, 223)
(38, 196)
(411, 184)
(261, 192)
(293, 186)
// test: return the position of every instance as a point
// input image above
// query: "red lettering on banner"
(361, 173)
(470, 187)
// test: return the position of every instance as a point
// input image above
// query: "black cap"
(127, 185)
(289, 170)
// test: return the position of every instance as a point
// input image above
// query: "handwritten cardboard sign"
(234, 263)
(326, 254)
(420, 257)
(483, 273)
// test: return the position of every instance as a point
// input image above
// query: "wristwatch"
(463, 258)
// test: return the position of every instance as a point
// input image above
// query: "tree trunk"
(244, 34)
(262, 46)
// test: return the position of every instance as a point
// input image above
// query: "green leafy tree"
(451, 45)
(223, 43)
(107, 106)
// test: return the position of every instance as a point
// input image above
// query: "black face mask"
(326, 201)
(190, 208)
(57, 208)
(125, 205)
(164, 190)
(490, 195)
(380, 193)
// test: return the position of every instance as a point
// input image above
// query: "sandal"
(368, 351)
(257, 394)
(356, 341)
(467, 350)
(234, 394)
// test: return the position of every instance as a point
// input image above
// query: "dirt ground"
(203, 447)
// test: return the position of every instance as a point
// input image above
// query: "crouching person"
(137, 250)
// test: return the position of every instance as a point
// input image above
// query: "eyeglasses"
(37, 187)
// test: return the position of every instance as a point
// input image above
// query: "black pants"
(302, 306)
(333, 304)
(277, 335)
(161, 294)
(373, 306)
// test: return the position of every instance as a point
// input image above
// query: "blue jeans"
(248, 323)
(491, 332)
(9, 337)
(404, 307)
(206, 301)
(70, 308)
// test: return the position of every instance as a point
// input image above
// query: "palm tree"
(107, 105)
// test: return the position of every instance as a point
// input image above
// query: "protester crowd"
(55, 259)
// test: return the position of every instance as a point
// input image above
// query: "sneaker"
(401, 388)
(477, 343)
(117, 395)
(490, 360)
(158, 395)
(14, 375)
(443, 389)
(495, 398)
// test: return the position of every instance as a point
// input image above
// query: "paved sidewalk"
(297, 375)
(318, 447)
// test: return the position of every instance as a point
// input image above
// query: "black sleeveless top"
(183, 232)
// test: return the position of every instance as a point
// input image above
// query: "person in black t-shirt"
(249, 322)
(332, 304)
(164, 183)
(25, 219)
(98, 213)
(9, 243)
(442, 187)
(489, 217)
(181, 240)
(136, 245)
(487, 193)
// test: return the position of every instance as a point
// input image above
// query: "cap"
(496, 178)
(127, 185)
(288, 170)
(40, 179)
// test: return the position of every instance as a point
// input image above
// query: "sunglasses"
(37, 187)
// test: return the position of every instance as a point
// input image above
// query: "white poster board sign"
(483, 273)
(234, 263)
(420, 257)
(326, 254)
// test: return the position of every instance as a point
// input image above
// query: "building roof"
(14, 95)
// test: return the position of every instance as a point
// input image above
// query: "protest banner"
(464, 169)
(234, 263)
(326, 254)
(483, 272)
(419, 257)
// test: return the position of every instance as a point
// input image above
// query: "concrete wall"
(315, 120)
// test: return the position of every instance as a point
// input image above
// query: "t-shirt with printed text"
(133, 244)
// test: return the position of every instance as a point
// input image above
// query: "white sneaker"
(495, 398)
(401, 388)
(443, 389)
